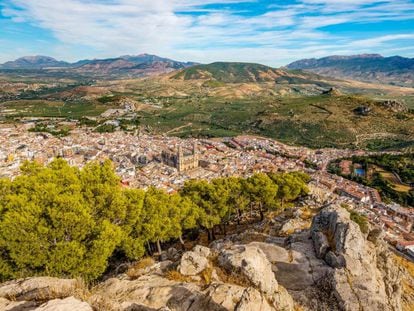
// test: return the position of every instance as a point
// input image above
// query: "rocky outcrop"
(331, 266)
(394, 105)
(360, 279)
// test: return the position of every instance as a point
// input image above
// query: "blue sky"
(263, 31)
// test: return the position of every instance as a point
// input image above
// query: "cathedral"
(180, 159)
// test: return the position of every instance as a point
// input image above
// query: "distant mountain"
(124, 66)
(394, 70)
(228, 72)
(128, 65)
(34, 62)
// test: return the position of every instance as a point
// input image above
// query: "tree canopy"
(60, 220)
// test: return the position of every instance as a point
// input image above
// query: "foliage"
(43, 128)
(106, 128)
(401, 165)
(63, 221)
(360, 220)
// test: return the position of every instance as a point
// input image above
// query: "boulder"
(192, 263)
(67, 304)
(250, 264)
(38, 288)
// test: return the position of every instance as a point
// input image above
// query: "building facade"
(181, 159)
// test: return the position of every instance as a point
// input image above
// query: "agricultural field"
(297, 114)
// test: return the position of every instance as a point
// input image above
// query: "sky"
(274, 32)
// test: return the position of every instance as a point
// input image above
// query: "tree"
(209, 200)
(290, 185)
(262, 192)
(53, 222)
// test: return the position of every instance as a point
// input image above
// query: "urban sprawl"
(143, 160)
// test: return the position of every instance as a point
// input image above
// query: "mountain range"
(123, 66)
(374, 68)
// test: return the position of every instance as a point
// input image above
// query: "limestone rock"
(151, 291)
(7, 305)
(38, 288)
(293, 225)
(364, 278)
(202, 250)
(251, 264)
(320, 243)
(192, 263)
(67, 304)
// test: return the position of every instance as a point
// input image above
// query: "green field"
(44, 108)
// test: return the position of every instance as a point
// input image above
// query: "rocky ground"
(286, 263)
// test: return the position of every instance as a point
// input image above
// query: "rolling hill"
(229, 72)
(395, 70)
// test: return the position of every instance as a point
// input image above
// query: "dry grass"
(135, 271)
(231, 277)
(407, 282)
(206, 275)
(174, 275)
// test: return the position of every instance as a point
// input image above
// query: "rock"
(320, 243)
(192, 263)
(220, 297)
(173, 254)
(375, 235)
(335, 261)
(38, 288)
(365, 277)
(202, 250)
(150, 291)
(7, 305)
(293, 225)
(67, 304)
(250, 263)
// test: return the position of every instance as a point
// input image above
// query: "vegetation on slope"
(391, 175)
(68, 222)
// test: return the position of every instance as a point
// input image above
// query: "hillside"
(229, 72)
(366, 67)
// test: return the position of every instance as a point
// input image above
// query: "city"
(143, 161)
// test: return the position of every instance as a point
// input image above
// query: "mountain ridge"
(126, 65)
(396, 70)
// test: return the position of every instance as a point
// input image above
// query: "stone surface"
(362, 279)
(192, 263)
(251, 264)
(39, 288)
(67, 304)
(7, 305)
(202, 250)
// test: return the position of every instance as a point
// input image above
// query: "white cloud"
(281, 34)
